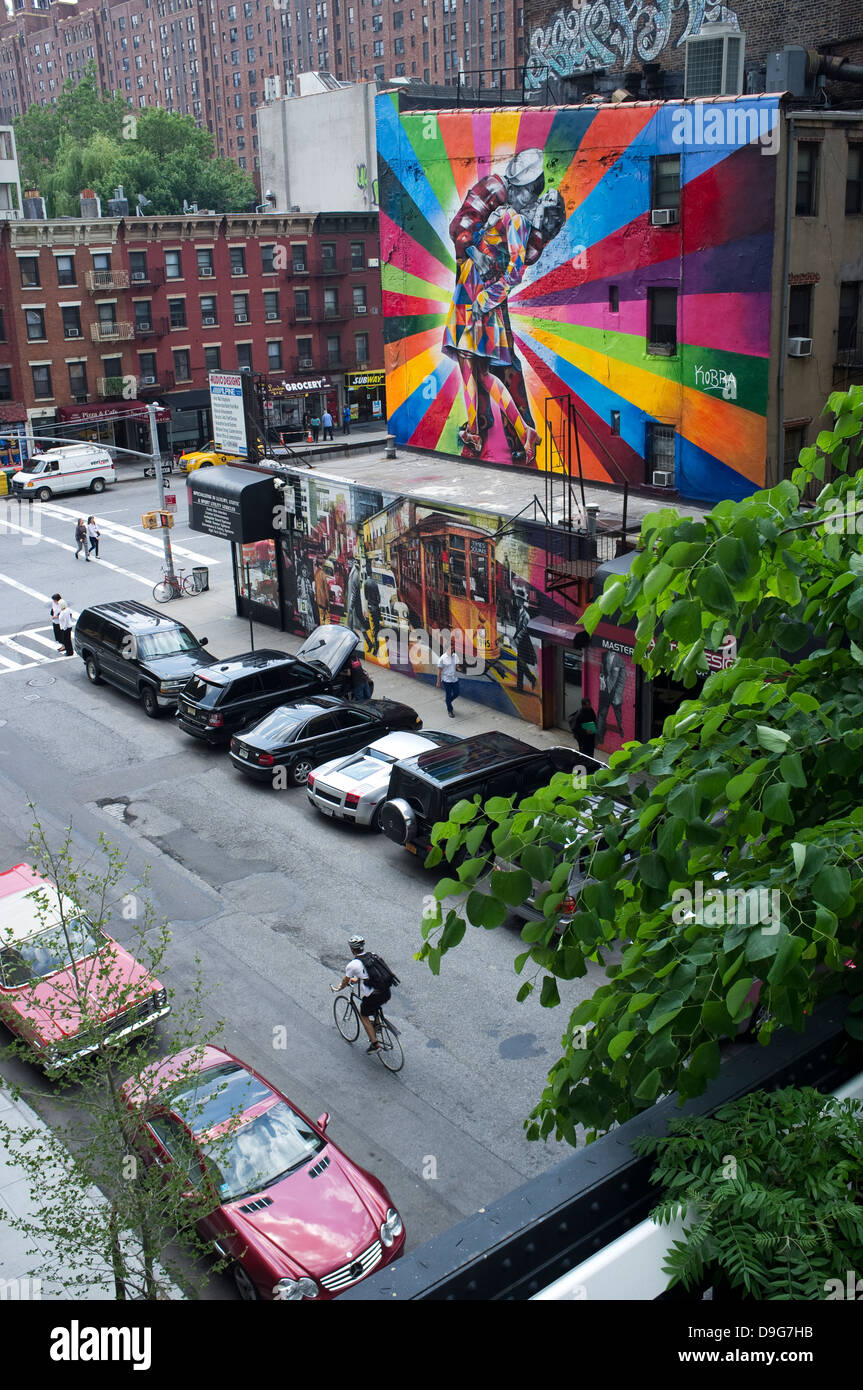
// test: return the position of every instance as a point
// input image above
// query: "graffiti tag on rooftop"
(610, 33)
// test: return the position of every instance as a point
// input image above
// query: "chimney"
(91, 207)
(34, 206)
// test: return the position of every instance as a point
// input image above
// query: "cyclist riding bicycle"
(371, 999)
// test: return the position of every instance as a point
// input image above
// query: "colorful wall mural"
(521, 264)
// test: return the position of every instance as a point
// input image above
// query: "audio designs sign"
(229, 419)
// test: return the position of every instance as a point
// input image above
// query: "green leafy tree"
(752, 792)
(108, 1217)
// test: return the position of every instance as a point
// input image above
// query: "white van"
(67, 469)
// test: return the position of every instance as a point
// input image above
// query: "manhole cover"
(43, 680)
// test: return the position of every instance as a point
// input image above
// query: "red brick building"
(104, 313)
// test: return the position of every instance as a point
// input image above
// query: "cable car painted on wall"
(445, 573)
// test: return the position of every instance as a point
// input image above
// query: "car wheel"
(93, 673)
(375, 822)
(97, 485)
(300, 771)
(44, 494)
(245, 1284)
(149, 702)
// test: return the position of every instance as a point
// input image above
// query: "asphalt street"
(259, 887)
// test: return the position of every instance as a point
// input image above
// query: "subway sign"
(357, 379)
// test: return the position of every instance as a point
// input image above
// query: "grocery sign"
(229, 419)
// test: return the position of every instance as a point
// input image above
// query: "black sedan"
(284, 747)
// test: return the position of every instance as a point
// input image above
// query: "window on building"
(244, 357)
(107, 314)
(177, 313)
(298, 259)
(361, 345)
(71, 321)
(212, 359)
(358, 255)
(378, 48)
(794, 441)
(5, 383)
(267, 266)
(331, 304)
(138, 266)
(806, 203)
(173, 265)
(78, 381)
(274, 357)
(271, 304)
(398, 45)
(35, 320)
(238, 260)
(182, 365)
(28, 269)
(854, 180)
(66, 270)
(42, 383)
(661, 449)
(205, 261)
(666, 182)
(613, 299)
(334, 350)
(304, 352)
(799, 311)
(848, 336)
(359, 294)
(662, 321)
(301, 304)
(2, 327)
(241, 308)
(209, 310)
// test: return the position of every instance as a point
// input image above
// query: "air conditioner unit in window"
(272, 314)
(245, 369)
(139, 274)
(306, 361)
(73, 332)
(360, 309)
(144, 326)
(241, 318)
(663, 217)
(661, 478)
(209, 320)
(799, 347)
(206, 271)
(148, 381)
(374, 263)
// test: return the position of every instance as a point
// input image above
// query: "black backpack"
(379, 973)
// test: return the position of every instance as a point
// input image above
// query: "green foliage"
(93, 140)
(771, 1189)
(752, 789)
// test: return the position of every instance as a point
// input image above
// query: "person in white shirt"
(93, 534)
(372, 999)
(447, 675)
(66, 622)
(56, 600)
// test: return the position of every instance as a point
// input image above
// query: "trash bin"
(201, 577)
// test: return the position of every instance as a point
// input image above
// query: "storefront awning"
(233, 503)
(561, 634)
(127, 409)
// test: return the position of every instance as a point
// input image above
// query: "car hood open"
(330, 646)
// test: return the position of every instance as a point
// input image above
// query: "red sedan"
(66, 987)
(298, 1219)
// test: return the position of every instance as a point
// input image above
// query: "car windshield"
(34, 465)
(216, 1094)
(260, 1151)
(46, 953)
(283, 721)
(168, 642)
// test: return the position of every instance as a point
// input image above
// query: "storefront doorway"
(365, 395)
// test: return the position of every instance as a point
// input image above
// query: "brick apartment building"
(219, 62)
(101, 314)
(698, 48)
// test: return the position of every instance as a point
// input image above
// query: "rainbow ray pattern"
(570, 339)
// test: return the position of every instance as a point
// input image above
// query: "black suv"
(423, 789)
(234, 694)
(139, 651)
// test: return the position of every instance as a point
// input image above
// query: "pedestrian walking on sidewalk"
(346, 420)
(327, 422)
(447, 675)
(56, 600)
(82, 540)
(316, 428)
(66, 622)
(93, 534)
(582, 723)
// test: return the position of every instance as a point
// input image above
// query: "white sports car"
(355, 787)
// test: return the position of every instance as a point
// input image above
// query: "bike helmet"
(357, 944)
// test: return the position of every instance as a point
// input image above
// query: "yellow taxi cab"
(205, 458)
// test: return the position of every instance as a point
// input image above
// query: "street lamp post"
(157, 465)
(249, 602)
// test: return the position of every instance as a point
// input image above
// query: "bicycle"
(347, 1015)
(174, 586)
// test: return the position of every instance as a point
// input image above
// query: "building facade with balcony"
(105, 313)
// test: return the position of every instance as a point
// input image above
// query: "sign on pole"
(170, 501)
(229, 420)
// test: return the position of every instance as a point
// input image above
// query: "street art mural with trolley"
(522, 254)
(407, 575)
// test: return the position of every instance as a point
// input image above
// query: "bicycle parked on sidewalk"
(347, 1015)
(175, 585)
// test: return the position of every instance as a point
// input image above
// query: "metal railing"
(111, 332)
(107, 280)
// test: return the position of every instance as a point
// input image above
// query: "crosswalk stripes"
(37, 645)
